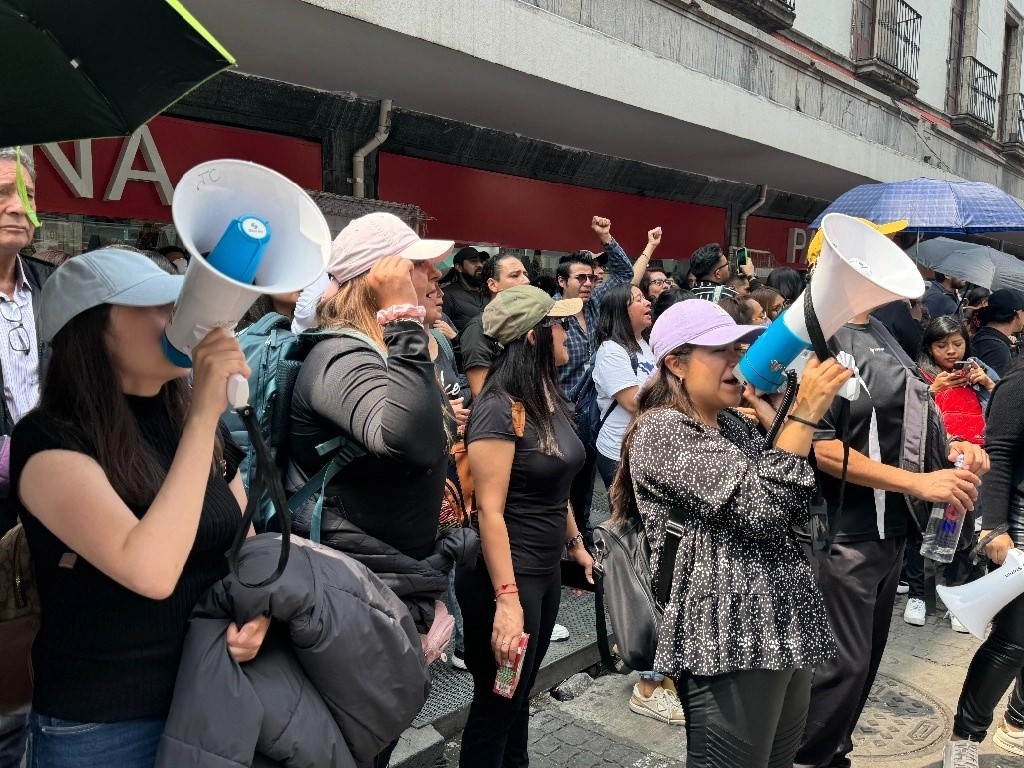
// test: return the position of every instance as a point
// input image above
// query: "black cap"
(468, 252)
(1005, 300)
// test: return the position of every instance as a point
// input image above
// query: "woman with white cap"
(126, 484)
(524, 453)
(744, 624)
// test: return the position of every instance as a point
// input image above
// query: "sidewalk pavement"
(905, 724)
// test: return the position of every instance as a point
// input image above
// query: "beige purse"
(19, 620)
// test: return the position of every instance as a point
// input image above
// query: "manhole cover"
(899, 720)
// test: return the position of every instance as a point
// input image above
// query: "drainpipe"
(762, 195)
(359, 158)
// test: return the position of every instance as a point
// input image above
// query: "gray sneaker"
(960, 754)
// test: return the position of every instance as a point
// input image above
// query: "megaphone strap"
(996, 532)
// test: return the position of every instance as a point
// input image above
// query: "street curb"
(424, 747)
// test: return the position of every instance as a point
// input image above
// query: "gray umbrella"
(978, 264)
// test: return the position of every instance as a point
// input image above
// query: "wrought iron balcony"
(770, 15)
(975, 99)
(888, 50)
(1012, 133)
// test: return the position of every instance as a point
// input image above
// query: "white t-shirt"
(613, 373)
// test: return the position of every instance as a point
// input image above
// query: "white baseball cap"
(374, 237)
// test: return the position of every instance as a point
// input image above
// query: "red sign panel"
(487, 208)
(160, 153)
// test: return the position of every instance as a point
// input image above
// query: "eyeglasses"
(18, 335)
(586, 278)
(551, 322)
(723, 265)
(659, 282)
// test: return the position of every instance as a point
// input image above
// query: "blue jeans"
(56, 743)
(452, 604)
(12, 740)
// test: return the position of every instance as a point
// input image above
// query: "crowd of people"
(769, 643)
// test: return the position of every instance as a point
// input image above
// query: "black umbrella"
(83, 70)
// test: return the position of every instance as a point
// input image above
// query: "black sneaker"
(458, 659)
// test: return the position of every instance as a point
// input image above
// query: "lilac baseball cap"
(700, 323)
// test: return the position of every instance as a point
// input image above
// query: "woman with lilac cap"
(744, 624)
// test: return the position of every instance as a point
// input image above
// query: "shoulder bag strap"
(603, 644)
(666, 568)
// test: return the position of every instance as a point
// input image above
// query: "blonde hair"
(353, 306)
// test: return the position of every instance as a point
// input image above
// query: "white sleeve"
(613, 371)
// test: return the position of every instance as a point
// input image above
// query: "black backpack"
(589, 418)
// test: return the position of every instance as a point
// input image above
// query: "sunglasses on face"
(551, 322)
(586, 278)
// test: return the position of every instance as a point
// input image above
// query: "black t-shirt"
(538, 488)
(876, 430)
(103, 652)
(478, 351)
(992, 347)
(462, 304)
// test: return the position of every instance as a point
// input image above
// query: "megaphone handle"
(238, 391)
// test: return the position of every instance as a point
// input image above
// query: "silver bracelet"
(577, 539)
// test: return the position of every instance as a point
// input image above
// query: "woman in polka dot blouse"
(745, 624)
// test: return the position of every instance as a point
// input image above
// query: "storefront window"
(75, 233)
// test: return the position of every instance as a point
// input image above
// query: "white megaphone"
(977, 603)
(859, 270)
(249, 231)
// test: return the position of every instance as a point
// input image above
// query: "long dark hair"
(82, 396)
(786, 281)
(937, 330)
(662, 390)
(615, 324)
(527, 374)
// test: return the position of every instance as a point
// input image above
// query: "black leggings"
(746, 719)
(995, 665)
(497, 731)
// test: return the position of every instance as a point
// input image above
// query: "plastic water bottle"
(942, 533)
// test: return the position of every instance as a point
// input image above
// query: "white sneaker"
(1010, 740)
(957, 624)
(559, 634)
(960, 754)
(915, 612)
(902, 588)
(663, 705)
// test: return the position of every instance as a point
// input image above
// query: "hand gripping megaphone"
(859, 270)
(977, 603)
(249, 231)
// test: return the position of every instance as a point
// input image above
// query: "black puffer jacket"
(418, 583)
(340, 675)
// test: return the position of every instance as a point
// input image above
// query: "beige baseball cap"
(516, 310)
(374, 237)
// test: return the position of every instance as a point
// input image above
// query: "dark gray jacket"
(340, 675)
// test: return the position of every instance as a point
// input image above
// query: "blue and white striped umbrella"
(933, 205)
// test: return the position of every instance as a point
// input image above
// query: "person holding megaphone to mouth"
(125, 481)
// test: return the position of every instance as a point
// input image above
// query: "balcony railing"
(770, 15)
(887, 46)
(975, 111)
(898, 36)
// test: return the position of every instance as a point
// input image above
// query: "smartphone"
(963, 365)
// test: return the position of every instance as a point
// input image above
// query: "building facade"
(509, 123)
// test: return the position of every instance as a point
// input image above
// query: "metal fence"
(977, 93)
(898, 36)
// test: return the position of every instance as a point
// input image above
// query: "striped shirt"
(20, 368)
